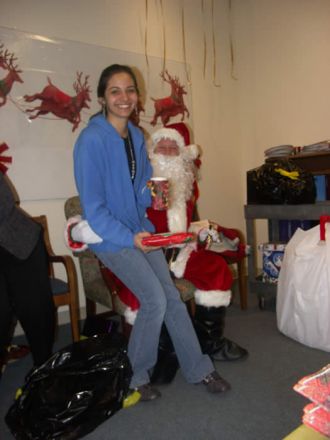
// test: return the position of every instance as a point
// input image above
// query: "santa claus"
(173, 157)
(202, 262)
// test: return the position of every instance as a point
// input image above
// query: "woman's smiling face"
(121, 96)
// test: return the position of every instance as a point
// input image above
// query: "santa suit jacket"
(206, 270)
(18, 232)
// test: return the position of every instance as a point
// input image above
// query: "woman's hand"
(138, 242)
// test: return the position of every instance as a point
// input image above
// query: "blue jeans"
(148, 277)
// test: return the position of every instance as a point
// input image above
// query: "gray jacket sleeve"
(18, 232)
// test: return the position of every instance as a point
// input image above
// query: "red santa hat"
(182, 129)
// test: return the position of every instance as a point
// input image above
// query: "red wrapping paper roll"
(168, 239)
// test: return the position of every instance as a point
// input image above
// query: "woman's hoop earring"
(104, 110)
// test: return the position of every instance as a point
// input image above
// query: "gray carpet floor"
(261, 405)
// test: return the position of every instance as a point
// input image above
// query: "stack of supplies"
(279, 151)
(315, 148)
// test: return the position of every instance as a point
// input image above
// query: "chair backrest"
(65, 292)
(72, 207)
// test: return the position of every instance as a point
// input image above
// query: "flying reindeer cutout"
(166, 108)
(7, 61)
(53, 100)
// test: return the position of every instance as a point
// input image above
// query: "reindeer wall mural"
(53, 100)
(166, 108)
(41, 118)
(7, 61)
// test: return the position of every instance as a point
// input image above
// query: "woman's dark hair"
(108, 72)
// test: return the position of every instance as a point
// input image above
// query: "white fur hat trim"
(168, 133)
(212, 298)
(190, 152)
(130, 315)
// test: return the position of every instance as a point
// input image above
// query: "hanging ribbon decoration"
(146, 36)
(214, 50)
(164, 35)
(204, 41)
(232, 60)
(4, 159)
(184, 46)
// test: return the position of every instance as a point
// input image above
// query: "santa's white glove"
(78, 234)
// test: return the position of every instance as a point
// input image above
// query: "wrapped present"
(272, 256)
(168, 239)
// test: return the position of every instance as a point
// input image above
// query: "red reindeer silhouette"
(172, 105)
(3, 56)
(53, 100)
(7, 62)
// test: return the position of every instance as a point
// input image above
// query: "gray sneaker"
(215, 384)
(148, 392)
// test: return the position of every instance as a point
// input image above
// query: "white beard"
(181, 175)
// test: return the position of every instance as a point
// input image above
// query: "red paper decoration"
(166, 108)
(7, 61)
(53, 100)
(4, 159)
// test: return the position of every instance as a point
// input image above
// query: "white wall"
(281, 62)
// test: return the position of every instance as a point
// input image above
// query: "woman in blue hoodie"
(111, 172)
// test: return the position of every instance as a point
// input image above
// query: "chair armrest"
(69, 265)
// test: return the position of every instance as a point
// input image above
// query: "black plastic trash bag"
(71, 394)
(283, 182)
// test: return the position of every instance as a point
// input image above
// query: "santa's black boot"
(209, 323)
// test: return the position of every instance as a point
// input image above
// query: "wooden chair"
(96, 289)
(64, 292)
(240, 273)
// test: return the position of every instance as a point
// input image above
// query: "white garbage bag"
(303, 290)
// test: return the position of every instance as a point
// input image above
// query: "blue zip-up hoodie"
(114, 207)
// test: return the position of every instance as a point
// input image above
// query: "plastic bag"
(317, 418)
(282, 181)
(78, 388)
(316, 387)
(303, 291)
